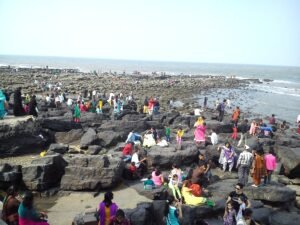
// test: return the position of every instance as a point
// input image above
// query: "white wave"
(276, 90)
(284, 82)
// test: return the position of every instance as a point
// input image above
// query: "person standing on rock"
(258, 167)
(244, 131)
(221, 109)
(238, 197)
(227, 156)
(243, 165)
(270, 161)
(199, 134)
(33, 107)
(107, 209)
(236, 115)
(18, 106)
(205, 102)
(76, 113)
(2, 105)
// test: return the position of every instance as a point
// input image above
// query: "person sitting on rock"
(27, 213)
(149, 138)
(157, 177)
(189, 197)
(174, 186)
(176, 170)
(134, 137)
(283, 126)
(149, 184)
(140, 164)
(119, 218)
(272, 120)
(10, 207)
(127, 151)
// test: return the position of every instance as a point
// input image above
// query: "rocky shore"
(86, 156)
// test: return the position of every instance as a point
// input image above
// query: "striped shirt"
(245, 159)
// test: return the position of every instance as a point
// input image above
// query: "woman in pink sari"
(200, 133)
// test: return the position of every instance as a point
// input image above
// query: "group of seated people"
(184, 187)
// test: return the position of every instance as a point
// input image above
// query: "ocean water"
(281, 96)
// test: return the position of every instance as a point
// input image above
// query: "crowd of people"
(183, 186)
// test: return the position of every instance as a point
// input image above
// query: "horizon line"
(150, 60)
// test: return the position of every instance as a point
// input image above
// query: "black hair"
(120, 213)
(170, 200)
(247, 212)
(240, 185)
(157, 172)
(28, 199)
(11, 190)
(175, 165)
(108, 196)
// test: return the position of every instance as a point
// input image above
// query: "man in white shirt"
(140, 165)
(243, 164)
(214, 137)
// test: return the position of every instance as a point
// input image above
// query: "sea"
(281, 96)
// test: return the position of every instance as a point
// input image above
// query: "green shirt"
(168, 131)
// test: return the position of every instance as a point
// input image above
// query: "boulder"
(262, 215)
(92, 173)
(58, 148)
(296, 188)
(9, 175)
(164, 157)
(20, 135)
(141, 215)
(93, 150)
(44, 173)
(290, 158)
(284, 218)
(89, 138)
(109, 138)
(271, 193)
(69, 137)
(59, 124)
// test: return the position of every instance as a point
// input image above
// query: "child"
(229, 214)
(173, 185)
(168, 133)
(235, 132)
(119, 218)
(149, 184)
(133, 170)
(179, 135)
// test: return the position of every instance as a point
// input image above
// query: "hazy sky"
(224, 31)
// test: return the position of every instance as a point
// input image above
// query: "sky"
(216, 31)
